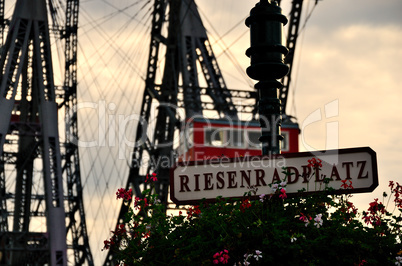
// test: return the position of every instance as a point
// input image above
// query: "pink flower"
(108, 244)
(153, 178)
(318, 221)
(283, 195)
(140, 203)
(315, 163)
(398, 193)
(221, 257)
(346, 186)
(257, 255)
(362, 262)
(123, 194)
(398, 260)
(305, 219)
(262, 196)
(245, 205)
(375, 212)
(193, 211)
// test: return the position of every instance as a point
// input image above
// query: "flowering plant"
(313, 229)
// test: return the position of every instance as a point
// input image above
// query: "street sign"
(347, 170)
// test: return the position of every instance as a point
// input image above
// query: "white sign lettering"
(347, 171)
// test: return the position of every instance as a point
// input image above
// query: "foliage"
(315, 229)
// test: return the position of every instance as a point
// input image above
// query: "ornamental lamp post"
(267, 66)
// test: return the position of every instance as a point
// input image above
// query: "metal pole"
(267, 66)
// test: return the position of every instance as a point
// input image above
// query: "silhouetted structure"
(188, 55)
(42, 217)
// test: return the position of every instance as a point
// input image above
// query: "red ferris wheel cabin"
(203, 138)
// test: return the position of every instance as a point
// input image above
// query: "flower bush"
(314, 229)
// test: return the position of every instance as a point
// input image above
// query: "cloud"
(359, 65)
(337, 14)
(352, 66)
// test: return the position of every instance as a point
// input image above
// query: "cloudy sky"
(348, 59)
(345, 88)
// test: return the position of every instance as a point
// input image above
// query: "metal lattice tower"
(188, 54)
(293, 32)
(186, 45)
(42, 219)
(177, 29)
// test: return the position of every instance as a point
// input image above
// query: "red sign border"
(309, 155)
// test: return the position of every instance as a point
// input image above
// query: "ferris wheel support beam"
(28, 45)
(293, 33)
(28, 125)
(75, 214)
(143, 142)
(2, 23)
(186, 45)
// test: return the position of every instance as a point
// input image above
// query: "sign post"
(355, 168)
